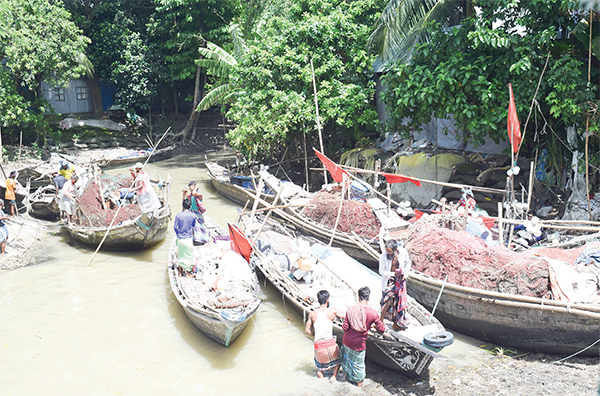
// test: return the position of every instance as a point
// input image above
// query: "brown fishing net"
(90, 212)
(468, 261)
(355, 216)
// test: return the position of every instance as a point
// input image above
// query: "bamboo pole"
(365, 246)
(259, 189)
(587, 127)
(306, 163)
(439, 183)
(337, 220)
(119, 207)
(312, 69)
(268, 213)
(530, 189)
(279, 207)
(500, 225)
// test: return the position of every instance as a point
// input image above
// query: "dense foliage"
(277, 106)
(38, 41)
(464, 73)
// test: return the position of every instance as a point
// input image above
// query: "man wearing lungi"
(320, 325)
(359, 319)
(3, 228)
(183, 225)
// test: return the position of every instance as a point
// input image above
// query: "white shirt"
(385, 264)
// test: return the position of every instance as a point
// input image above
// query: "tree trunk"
(96, 95)
(176, 107)
(192, 121)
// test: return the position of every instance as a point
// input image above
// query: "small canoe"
(220, 315)
(137, 156)
(333, 270)
(510, 320)
(236, 187)
(43, 204)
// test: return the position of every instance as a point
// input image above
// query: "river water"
(115, 328)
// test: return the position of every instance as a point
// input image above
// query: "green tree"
(276, 108)
(38, 41)
(464, 73)
(402, 25)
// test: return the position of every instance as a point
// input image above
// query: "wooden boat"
(42, 204)
(139, 233)
(238, 188)
(224, 321)
(510, 320)
(293, 197)
(137, 156)
(332, 269)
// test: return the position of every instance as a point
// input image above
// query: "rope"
(144, 226)
(577, 353)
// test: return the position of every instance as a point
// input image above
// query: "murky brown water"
(115, 328)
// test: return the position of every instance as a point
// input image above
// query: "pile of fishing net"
(355, 215)
(468, 261)
(90, 211)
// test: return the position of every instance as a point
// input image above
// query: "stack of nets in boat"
(90, 212)
(468, 261)
(355, 216)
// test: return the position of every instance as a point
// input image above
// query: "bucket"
(359, 190)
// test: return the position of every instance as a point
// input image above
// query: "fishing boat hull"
(220, 179)
(396, 351)
(514, 321)
(221, 324)
(137, 234)
(212, 324)
(158, 155)
(45, 209)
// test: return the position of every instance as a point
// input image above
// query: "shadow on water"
(219, 357)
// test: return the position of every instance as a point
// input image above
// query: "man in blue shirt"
(184, 229)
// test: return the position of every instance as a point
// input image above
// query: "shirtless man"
(320, 325)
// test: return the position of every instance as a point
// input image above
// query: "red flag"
(393, 178)
(240, 242)
(336, 172)
(513, 126)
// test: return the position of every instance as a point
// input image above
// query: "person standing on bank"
(320, 325)
(393, 257)
(359, 319)
(9, 194)
(3, 228)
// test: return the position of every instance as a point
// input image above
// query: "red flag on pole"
(336, 172)
(394, 178)
(513, 126)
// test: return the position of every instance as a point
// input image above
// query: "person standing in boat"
(147, 199)
(394, 301)
(195, 196)
(3, 228)
(393, 257)
(320, 325)
(9, 194)
(184, 230)
(65, 170)
(59, 183)
(69, 196)
(359, 319)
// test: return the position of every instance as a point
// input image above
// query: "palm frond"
(215, 96)
(401, 26)
(239, 44)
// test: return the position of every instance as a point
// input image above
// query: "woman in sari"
(197, 208)
(394, 301)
